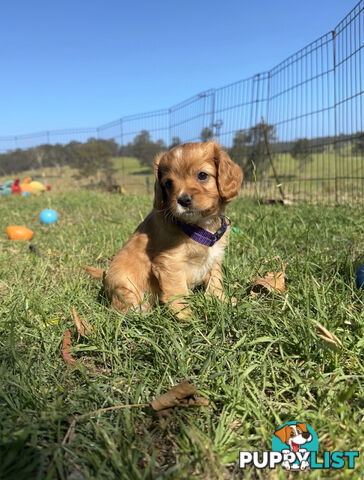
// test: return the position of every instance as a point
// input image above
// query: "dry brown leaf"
(67, 357)
(182, 395)
(272, 282)
(66, 345)
(82, 326)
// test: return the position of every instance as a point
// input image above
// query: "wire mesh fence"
(312, 104)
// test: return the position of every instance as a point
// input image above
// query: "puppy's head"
(195, 181)
(294, 435)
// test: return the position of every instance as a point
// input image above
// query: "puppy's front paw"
(184, 315)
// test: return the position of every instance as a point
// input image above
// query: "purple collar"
(203, 236)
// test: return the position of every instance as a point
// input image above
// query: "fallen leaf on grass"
(82, 326)
(49, 322)
(327, 336)
(182, 395)
(67, 357)
(66, 345)
(272, 282)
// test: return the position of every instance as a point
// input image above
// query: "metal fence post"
(335, 116)
(213, 94)
(169, 127)
(121, 132)
(267, 100)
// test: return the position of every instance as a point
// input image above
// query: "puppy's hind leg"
(126, 297)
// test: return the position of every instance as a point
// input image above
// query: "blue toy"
(360, 277)
(25, 194)
(48, 216)
(8, 184)
(5, 191)
(6, 188)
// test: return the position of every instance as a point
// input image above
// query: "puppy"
(181, 243)
(294, 436)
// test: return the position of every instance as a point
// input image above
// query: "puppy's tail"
(94, 272)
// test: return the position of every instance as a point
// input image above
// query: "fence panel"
(349, 114)
(240, 106)
(301, 107)
(189, 118)
(313, 100)
(124, 130)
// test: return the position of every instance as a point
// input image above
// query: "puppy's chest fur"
(200, 261)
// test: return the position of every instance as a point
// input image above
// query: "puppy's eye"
(298, 431)
(202, 176)
(168, 184)
(292, 434)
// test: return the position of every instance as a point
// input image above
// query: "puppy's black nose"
(185, 200)
(306, 434)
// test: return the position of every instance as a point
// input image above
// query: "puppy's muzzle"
(185, 200)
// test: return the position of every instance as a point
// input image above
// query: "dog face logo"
(294, 435)
(295, 447)
(296, 441)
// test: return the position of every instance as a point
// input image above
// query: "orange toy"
(18, 232)
(25, 187)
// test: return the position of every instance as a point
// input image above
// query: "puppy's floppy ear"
(229, 175)
(282, 434)
(158, 193)
(302, 426)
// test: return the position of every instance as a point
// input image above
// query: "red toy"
(16, 187)
(48, 187)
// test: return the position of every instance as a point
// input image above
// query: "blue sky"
(83, 63)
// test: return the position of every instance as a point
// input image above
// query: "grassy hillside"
(259, 364)
(130, 175)
(327, 178)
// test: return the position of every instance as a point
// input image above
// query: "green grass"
(324, 165)
(260, 363)
(131, 166)
(129, 174)
(327, 179)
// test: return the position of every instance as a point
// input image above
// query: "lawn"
(260, 363)
(326, 179)
(133, 177)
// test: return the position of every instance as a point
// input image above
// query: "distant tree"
(206, 134)
(249, 150)
(93, 157)
(358, 147)
(239, 150)
(38, 155)
(301, 151)
(175, 141)
(144, 149)
(15, 161)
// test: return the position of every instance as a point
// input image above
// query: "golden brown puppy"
(168, 254)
